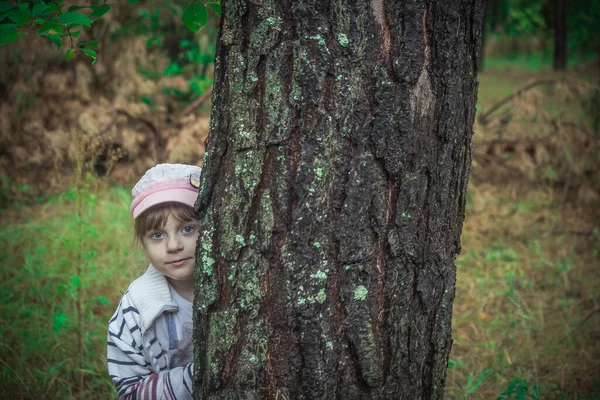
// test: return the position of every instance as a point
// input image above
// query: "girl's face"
(172, 249)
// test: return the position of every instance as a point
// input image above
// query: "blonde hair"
(155, 218)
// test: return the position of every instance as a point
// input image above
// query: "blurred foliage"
(173, 49)
(57, 20)
(53, 21)
(519, 18)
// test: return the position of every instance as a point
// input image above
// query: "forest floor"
(526, 314)
(526, 320)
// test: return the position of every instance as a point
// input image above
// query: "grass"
(525, 323)
(526, 304)
(44, 248)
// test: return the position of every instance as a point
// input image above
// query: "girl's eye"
(157, 235)
(189, 229)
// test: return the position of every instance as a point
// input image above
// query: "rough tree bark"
(332, 198)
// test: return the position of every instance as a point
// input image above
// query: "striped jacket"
(139, 366)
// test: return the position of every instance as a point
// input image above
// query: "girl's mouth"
(177, 263)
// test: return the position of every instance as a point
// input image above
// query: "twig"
(587, 318)
(160, 140)
(196, 103)
(483, 117)
(500, 162)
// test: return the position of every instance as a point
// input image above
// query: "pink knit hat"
(166, 183)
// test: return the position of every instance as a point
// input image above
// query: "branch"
(574, 82)
(159, 139)
(196, 103)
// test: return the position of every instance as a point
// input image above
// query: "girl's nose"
(174, 244)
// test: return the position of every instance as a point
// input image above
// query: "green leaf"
(60, 320)
(173, 69)
(75, 8)
(70, 54)
(75, 280)
(5, 6)
(74, 18)
(74, 34)
(216, 7)
(194, 16)
(41, 10)
(103, 300)
(98, 11)
(90, 53)
(50, 28)
(56, 6)
(18, 15)
(472, 386)
(55, 39)
(92, 44)
(9, 14)
(8, 34)
(23, 17)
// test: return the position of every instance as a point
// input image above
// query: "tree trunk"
(495, 14)
(560, 35)
(332, 198)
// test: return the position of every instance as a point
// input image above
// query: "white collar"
(151, 296)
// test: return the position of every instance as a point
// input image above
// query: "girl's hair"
(155, 218)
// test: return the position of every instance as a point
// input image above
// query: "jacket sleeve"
(129, 369)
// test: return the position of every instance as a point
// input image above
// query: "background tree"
(333, 198)
(560, 35)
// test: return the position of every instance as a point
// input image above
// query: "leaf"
(23, 17)
(103, 300)
(90, 53)
(49, 27)
(195, 87)
(41, 10)
(75, 280)
(8, 34)
(70, 54)
(172, 69)
(75, 8)
(60, 320)
(74, 18)
(98, 11)
(20, 16)
(5, 6)
(74, 34)
(56, 6)
(471, 387)
(54, 38)
(92, 44)
(194, 16)
(10, 13)
(216, 7)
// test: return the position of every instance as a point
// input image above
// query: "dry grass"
(526, 314)
(527, 297)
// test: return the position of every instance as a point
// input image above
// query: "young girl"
(150, 353)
